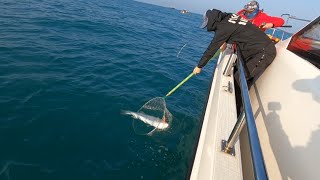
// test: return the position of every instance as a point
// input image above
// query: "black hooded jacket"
(231, 28)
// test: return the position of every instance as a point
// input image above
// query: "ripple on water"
(67, 70)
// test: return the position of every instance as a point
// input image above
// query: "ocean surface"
(68, 69)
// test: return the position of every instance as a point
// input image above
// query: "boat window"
(306, 43)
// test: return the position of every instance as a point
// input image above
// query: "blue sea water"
(68, 69)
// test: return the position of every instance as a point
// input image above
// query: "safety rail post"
(228, 146)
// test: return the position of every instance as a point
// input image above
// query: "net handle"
(180, 84)
(187, 78)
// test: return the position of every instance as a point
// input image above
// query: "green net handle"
(187, 78)
(180, 84)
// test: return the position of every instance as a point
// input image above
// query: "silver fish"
(151, 120)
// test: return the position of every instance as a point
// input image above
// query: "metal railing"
(247, 116)
(278, 34)
(294, 17)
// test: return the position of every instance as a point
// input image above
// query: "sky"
(306, 9)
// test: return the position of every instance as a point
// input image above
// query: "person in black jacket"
(256, 48)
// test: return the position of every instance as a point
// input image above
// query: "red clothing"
(262, 18)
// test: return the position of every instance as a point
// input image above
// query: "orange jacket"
(262, 18)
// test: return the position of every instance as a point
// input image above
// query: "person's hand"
(267, 25)
(196, 70)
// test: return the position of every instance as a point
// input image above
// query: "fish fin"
(164, 119)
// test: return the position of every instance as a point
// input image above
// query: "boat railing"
(277, 34)
(246, 116)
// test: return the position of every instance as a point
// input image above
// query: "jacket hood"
(214, 18)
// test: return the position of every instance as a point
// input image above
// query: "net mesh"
(156, 108)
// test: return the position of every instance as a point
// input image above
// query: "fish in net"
(154, 114)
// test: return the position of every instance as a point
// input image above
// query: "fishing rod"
(286, 26)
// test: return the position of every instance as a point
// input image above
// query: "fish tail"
(125, 112)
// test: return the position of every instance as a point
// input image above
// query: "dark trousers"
(254, 66)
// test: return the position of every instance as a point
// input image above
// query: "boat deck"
(219, 120)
